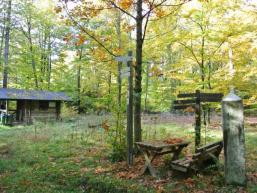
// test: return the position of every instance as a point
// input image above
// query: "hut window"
(12, 105)
(43, 105)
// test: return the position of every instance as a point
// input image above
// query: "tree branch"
(191, 50)
(145, 27)
(86, 32)
(161, 4)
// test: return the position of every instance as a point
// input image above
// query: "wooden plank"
(211, 95)
(188, 101)
(179, 167)
(211, 99)
(186, 95)
(220, 143)
(180, 107)
(202, 95)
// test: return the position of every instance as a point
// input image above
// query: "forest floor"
(69, 156)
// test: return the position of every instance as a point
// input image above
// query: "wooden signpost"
(193, 100)
(129, 73)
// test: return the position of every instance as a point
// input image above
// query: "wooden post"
(234, 139)
(197, 119)
(58, 109)
(17, 110)
(130, 113)
(7, 107)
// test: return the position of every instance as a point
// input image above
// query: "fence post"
(234, 139)
(197, 119)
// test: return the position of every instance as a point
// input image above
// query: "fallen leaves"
(127, 175)
(100, 170)
(85, 170)
(189, 182)
(105, 125)
(158, 185)
(125, 172)
(252, 177)
(173, 140)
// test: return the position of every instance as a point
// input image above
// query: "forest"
(117, 85)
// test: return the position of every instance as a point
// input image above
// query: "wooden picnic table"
(153, 149)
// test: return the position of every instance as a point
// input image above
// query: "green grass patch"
(63, 157)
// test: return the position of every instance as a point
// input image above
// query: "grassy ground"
(70, 157)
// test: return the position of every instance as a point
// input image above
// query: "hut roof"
(21, 94)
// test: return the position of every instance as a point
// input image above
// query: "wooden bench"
(204, 156)
(153, 149)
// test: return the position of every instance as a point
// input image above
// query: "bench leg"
(176, 153)
(148, 163)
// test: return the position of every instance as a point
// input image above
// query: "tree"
(6, 45)
(141, 22)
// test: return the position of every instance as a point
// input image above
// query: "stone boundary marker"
(234, 139)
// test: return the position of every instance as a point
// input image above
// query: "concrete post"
(234, 139)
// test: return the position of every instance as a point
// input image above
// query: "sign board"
(125, 75)
(185, 95)
(124, 59)
(204, 97)
(211, 99)
(183, 107)
(188, 101)
(192, 98)
(211, 95)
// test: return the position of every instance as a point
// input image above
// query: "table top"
(158, 144)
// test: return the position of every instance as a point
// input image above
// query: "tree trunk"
(202, 64)
(146, 87)
(209, 75)
(44, 58)
(49, 68)
(2, 39)
(118, 26)
(109, 89)
(209, 87)
(6, 46)
(119, 80)
(138, 72)
(79, 80)
(202, 71)
(33, 62)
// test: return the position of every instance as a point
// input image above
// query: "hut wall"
(28, 111)
(43, 110)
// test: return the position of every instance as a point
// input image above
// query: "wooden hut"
(29, 105)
